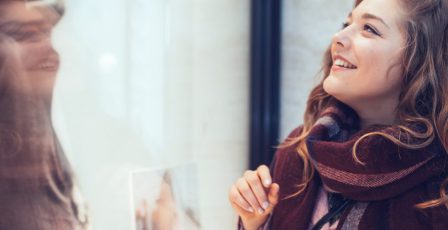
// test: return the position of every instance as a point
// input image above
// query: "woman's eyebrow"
(371, 16)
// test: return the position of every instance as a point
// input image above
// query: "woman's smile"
(47, 65)
(341, 64)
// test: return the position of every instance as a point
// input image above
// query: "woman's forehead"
(19, 12)
(387, 10)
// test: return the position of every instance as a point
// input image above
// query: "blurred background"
(158, 83)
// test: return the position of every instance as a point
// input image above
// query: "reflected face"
(29, 27)
(367, 55)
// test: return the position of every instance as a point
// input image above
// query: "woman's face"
(29, 27)
(367, 54)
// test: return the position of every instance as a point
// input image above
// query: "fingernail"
(265, 205)
(260, 210)
(250, 209)
(267, 182)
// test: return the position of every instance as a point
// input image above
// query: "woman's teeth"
(47, 66)
(344, 64)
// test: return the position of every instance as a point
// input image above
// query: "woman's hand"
(254, 196)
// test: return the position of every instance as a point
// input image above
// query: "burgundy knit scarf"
(388, 172)
(387, 169)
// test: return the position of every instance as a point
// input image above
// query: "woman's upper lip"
(337, 56)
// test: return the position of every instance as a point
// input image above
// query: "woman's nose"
(45, 47)
(342, 39)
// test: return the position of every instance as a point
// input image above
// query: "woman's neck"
(376, 114)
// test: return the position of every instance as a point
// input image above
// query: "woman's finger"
(236, 198)
(273, 197)
(247, 193)
(265, 175)
(253, 179)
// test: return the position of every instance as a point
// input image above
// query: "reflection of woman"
(372, 151)
(36, 182)
(166, 215)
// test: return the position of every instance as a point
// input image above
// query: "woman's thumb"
(273, 195)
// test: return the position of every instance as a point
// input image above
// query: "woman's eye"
(345, 25)
(24, 36)
(371, 30)
(30, 36)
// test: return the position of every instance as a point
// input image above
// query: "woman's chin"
(330, 86)
(335, 90)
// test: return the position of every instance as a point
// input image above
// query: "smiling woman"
(372, 90)
(36, 181)
(372, 150)
(30, 27)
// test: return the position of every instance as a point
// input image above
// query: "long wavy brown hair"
(424, 90)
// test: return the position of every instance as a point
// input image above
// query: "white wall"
(221, 103)
(308, 26)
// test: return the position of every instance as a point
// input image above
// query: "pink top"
(320, 209)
